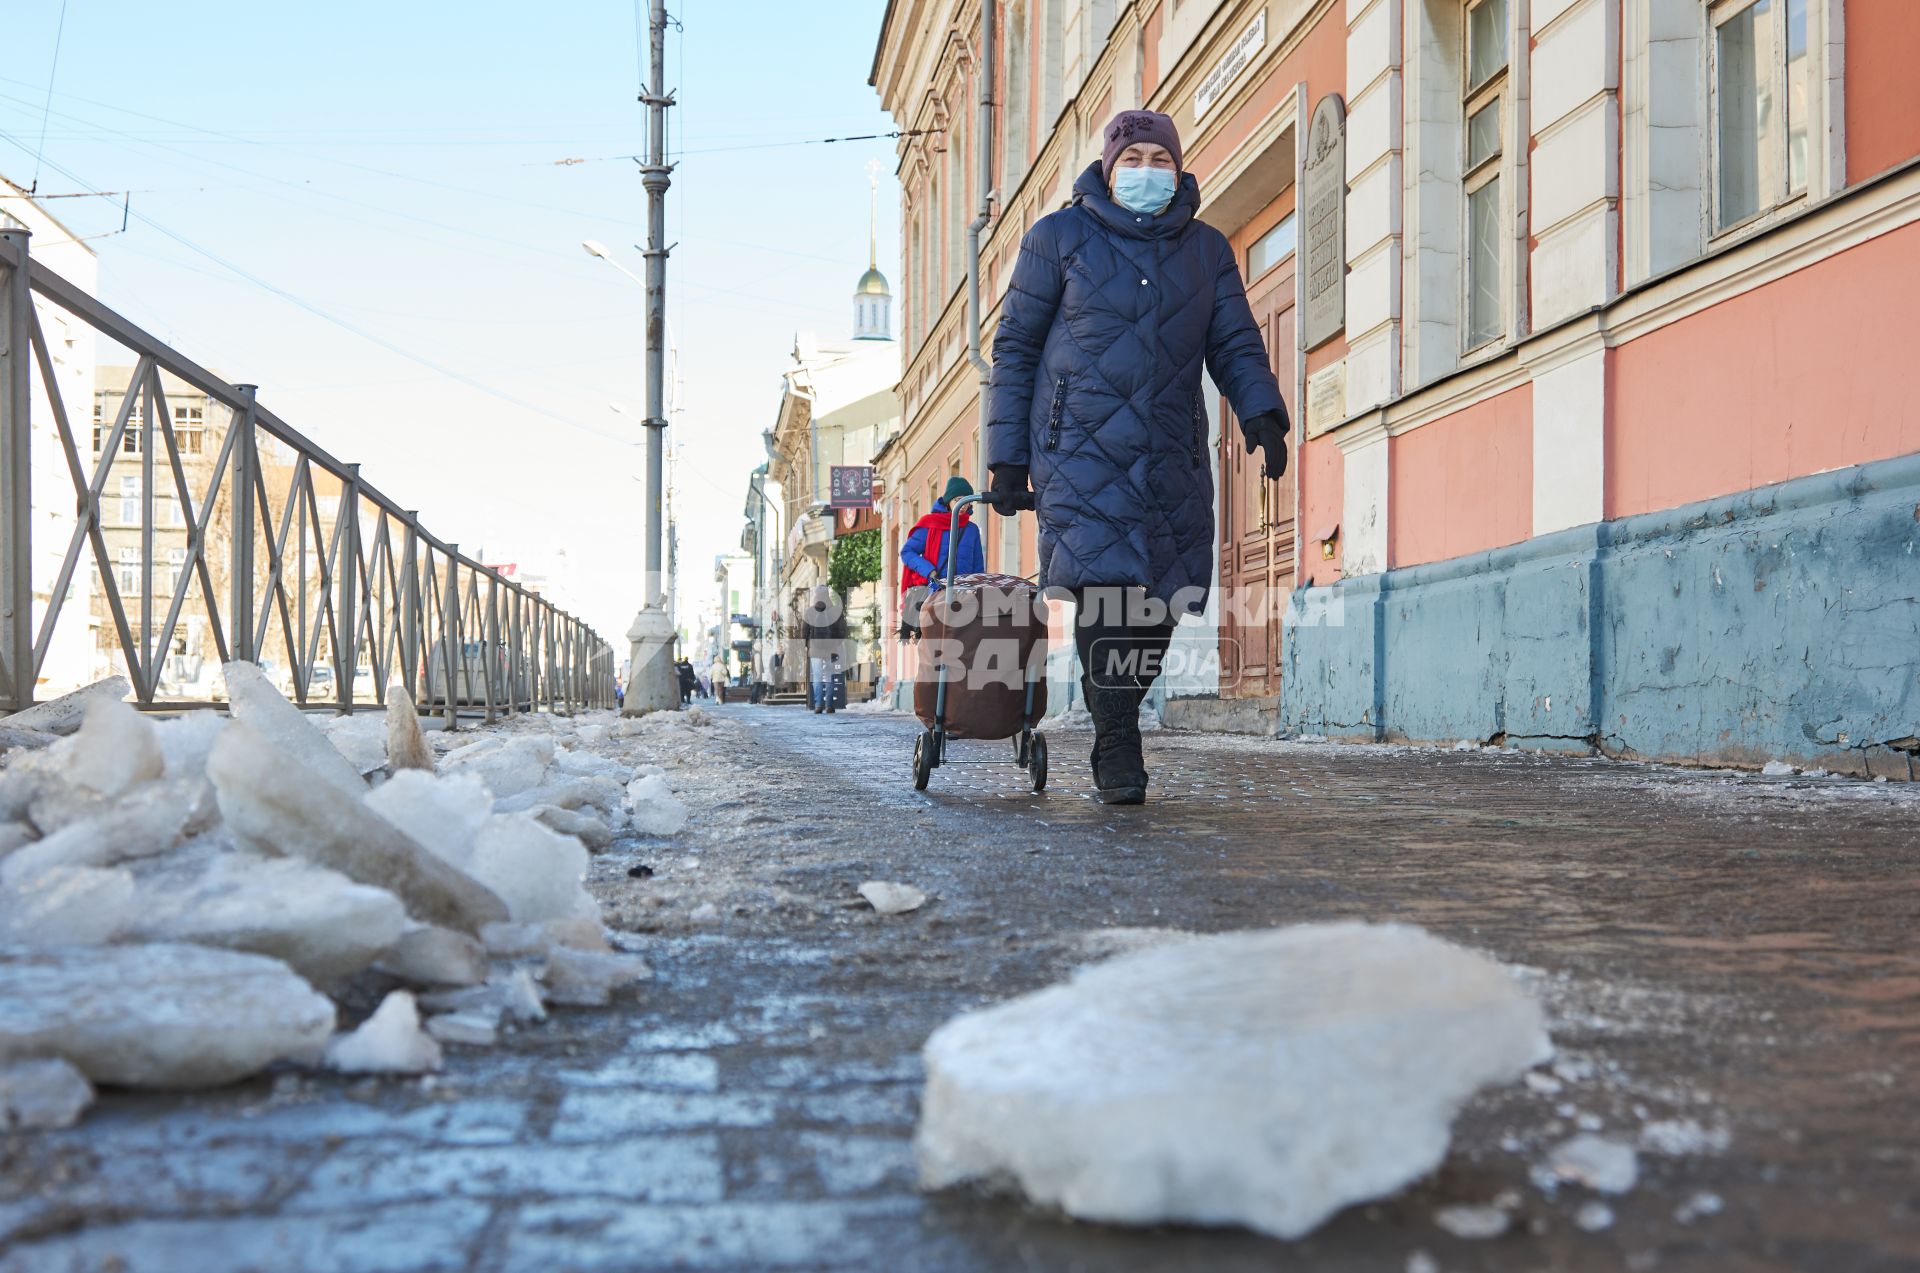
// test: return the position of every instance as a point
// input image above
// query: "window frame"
(1777, 196)
(1491, 93)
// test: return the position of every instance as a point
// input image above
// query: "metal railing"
(279, 550)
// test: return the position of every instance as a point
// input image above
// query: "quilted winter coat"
(1096, 387)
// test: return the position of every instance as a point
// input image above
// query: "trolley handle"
(953, 535)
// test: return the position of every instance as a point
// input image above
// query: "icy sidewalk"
(185, 902)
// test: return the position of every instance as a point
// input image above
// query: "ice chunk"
(41, 1093)
(388, 1042)
(1700, 1204)
(158, 1016)
(320, 922)
(115, 751)
(361, 739)
(1594, 1216)
(538, 872)
(406, 744)
(1680, 1137)
(436, 957)
(1472, 1222)
(581, 764)
(149, 821)
(892, 899)
(655, 809)
(1265, 1079)
(587, 979)
(508, 766)
(476, 1027)
(1778, 769)
(64, 714)
(583, 827)
(515, 941)
(67, 906)
(513, 993)
(186, 740)
(258, 705)
(25, 739)
(1602, 1165)
(270, 802)
(602, 795)
(445, 814)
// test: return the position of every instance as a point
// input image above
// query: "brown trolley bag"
(985, 638)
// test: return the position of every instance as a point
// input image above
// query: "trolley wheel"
(923, 749)
(1037, 762)
(1021, 753)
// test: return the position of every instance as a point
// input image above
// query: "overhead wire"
(59, 33)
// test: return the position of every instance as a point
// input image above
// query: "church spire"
(872, 298)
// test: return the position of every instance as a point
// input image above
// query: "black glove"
(1007, 489)
(1267, 433)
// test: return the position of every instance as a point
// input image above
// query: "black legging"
(1121, 637)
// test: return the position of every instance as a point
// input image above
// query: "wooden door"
(1257, 517)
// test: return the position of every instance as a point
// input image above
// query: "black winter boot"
(1119, 772)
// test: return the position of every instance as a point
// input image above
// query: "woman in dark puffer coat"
(1116, 303)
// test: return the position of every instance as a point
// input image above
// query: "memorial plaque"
(1324, 227)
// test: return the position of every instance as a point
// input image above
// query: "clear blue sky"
(393, 165)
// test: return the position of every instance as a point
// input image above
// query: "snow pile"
(179, 899)
(889, 898)
(1265, 1079)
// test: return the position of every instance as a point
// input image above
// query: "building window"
(189, 429)
(176, 563)
(130, 501)
(1271, 248)
(1761, 106)
(1013, 151)
(129, 572)
(1484, 115)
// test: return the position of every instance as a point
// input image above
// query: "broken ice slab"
(67, 906)
(361, 739)
(158, 1015)
(584, 764)
(538, 872)
(587, 978)
(1262, 1079)
(318, 921)
(603, 795)
(269, 801)
(62, 715)
(388, 1042)
(444, 813)
(513, 993)
(892, 899)
(261, 707)
(149, 821)
(431, 956)
(474, 1027)
(508, 766)
(43, 1092)
(406, 744)
(115, 751)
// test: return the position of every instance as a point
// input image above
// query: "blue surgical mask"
(1147, 190)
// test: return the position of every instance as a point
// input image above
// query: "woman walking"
(1097, 421)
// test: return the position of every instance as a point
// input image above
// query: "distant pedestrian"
(825, 628)
(688, 683)
(923, 558)
(718, 673)
(1115, 304)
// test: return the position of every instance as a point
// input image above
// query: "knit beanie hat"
(1128, 127)
(957, 488)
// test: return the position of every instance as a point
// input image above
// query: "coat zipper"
(1053, 419)
(1199, 426)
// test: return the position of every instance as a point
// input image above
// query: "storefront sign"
(1324, 225)
(1228, 68)
(851, 486)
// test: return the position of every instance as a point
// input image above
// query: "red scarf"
(937, 525)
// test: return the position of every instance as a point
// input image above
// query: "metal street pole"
(652, 681)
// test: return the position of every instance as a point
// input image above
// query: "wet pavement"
(1730, 966)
